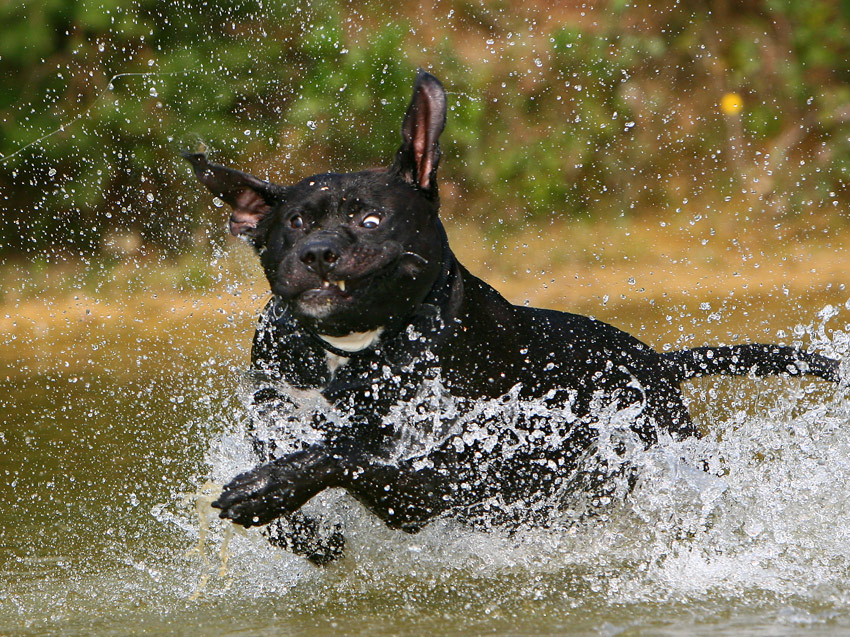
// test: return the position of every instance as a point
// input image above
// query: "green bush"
(558, 112)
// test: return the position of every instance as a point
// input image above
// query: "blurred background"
(577, 110)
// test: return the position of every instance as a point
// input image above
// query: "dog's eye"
(370, 222)
(296, 221)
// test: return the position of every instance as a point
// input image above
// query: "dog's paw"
(258, 496)
(253, 498)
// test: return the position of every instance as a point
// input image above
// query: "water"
(111, 422)
(99, 524)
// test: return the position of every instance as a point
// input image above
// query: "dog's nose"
(319, 256)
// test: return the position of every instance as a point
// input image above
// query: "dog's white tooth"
(326, 284)
(341, 285)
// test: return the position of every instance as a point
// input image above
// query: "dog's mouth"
(345, 285)
(329, 287)
(362, 291)
(355, 273)
(330, 297)
(334, 291)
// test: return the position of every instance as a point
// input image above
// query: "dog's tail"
(761, 360)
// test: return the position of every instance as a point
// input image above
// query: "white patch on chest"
(334, 362)
(353, 342)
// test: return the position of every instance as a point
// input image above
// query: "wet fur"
(437, 321)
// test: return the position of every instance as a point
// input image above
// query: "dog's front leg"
(258, 496)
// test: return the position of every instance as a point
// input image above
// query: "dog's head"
(348, 252)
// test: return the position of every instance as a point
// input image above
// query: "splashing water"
(761, 532)
(763, 526)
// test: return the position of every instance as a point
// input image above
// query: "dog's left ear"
(251, 198)
(417, 159)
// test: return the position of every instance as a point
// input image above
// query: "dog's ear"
(417, 158)
(251, 198)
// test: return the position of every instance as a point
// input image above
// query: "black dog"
(369, 305)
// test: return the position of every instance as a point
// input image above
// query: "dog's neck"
(353, 342)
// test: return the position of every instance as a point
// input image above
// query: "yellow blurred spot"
(731, 104)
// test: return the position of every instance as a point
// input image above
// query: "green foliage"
(563, 111)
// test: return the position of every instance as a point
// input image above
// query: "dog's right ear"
(251, 198)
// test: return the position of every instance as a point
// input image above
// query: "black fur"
(377, 233)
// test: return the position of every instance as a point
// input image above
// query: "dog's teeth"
(326, 284)
(341, 285)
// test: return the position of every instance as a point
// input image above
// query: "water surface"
(98, 460)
